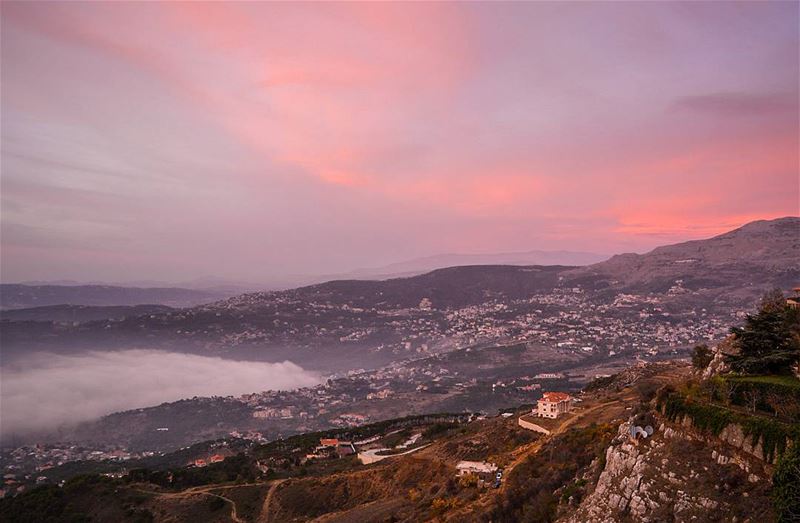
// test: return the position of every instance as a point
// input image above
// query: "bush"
(215, 503)
(701, 356)
(600, 383)
(468, 480)
(773, 435)
(786, 486)
(647, 390)
(441, 505)
(778, 395)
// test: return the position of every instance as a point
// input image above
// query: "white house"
(475, 467)
(553, 404)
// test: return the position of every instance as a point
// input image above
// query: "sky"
(170, 141)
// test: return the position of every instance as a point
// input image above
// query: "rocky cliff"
(678, 474)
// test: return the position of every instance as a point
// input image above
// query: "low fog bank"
(46, 391)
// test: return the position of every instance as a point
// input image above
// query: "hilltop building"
(794, 301)
(553, 404)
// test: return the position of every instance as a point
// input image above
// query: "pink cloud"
(442, 125)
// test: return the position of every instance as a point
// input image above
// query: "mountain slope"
(761, 253)
(441, 261)
(19, 296)
(81, 313)
(588, 469)
(354, 323)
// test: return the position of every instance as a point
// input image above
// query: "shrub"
(701, 356)
(529, 494)
(215, 503)
(468, 480)
(647, 390)
(786, 486)
(773, 435)
(441, 505)
(778, 395)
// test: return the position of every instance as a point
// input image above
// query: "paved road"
(372, 456)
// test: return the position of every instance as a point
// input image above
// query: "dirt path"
(210, 491)
(263, 517)
(378, 510)
(195, 491)
(524, 452)
(234, 515)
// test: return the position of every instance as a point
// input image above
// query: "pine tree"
(769, 342)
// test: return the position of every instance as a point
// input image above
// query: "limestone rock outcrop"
(676, 475)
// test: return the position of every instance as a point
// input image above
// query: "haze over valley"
(574, 321)
(47, 391)
(383, 262)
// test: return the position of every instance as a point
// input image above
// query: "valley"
(474, 341)
(674, 295)
(588, 450)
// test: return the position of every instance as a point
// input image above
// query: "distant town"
(479, 357)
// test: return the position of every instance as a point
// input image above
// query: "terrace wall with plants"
(766, 438)
(777, 395)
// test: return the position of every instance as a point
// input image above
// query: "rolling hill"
(358, 323)
(20, 296)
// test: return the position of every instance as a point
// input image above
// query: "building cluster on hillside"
(332, 448)
(204, 462)
(569, 317)
(570, 322)
(21, 465)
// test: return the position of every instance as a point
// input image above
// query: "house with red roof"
(553, 404)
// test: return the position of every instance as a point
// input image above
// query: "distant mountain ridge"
(344, 322)
(425, 264)
(413, 267)
(19, 296)
(764, 252)
(761, 254)
(81, 313)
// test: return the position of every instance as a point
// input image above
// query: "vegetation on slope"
(774, 436)
(761, 384)
(532, 490)
(769, 341)
(786, 486)
(81, 499)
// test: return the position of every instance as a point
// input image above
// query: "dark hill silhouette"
(344, 322)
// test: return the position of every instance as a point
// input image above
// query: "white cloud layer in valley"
(48, 390)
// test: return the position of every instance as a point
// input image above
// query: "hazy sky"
(173, 140)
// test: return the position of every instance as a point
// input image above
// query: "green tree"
(786, 485)
(701, 356)
(769, 342)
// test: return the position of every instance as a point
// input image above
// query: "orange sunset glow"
(176, 140)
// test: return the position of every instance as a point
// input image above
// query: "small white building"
(553, 404)
(475, 467)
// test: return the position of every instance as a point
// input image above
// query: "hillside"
(81, 313)
(588, 469)
(347, 324)
(19, 296)
(760, 254)
(431, 263)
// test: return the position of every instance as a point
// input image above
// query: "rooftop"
(556, 396)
